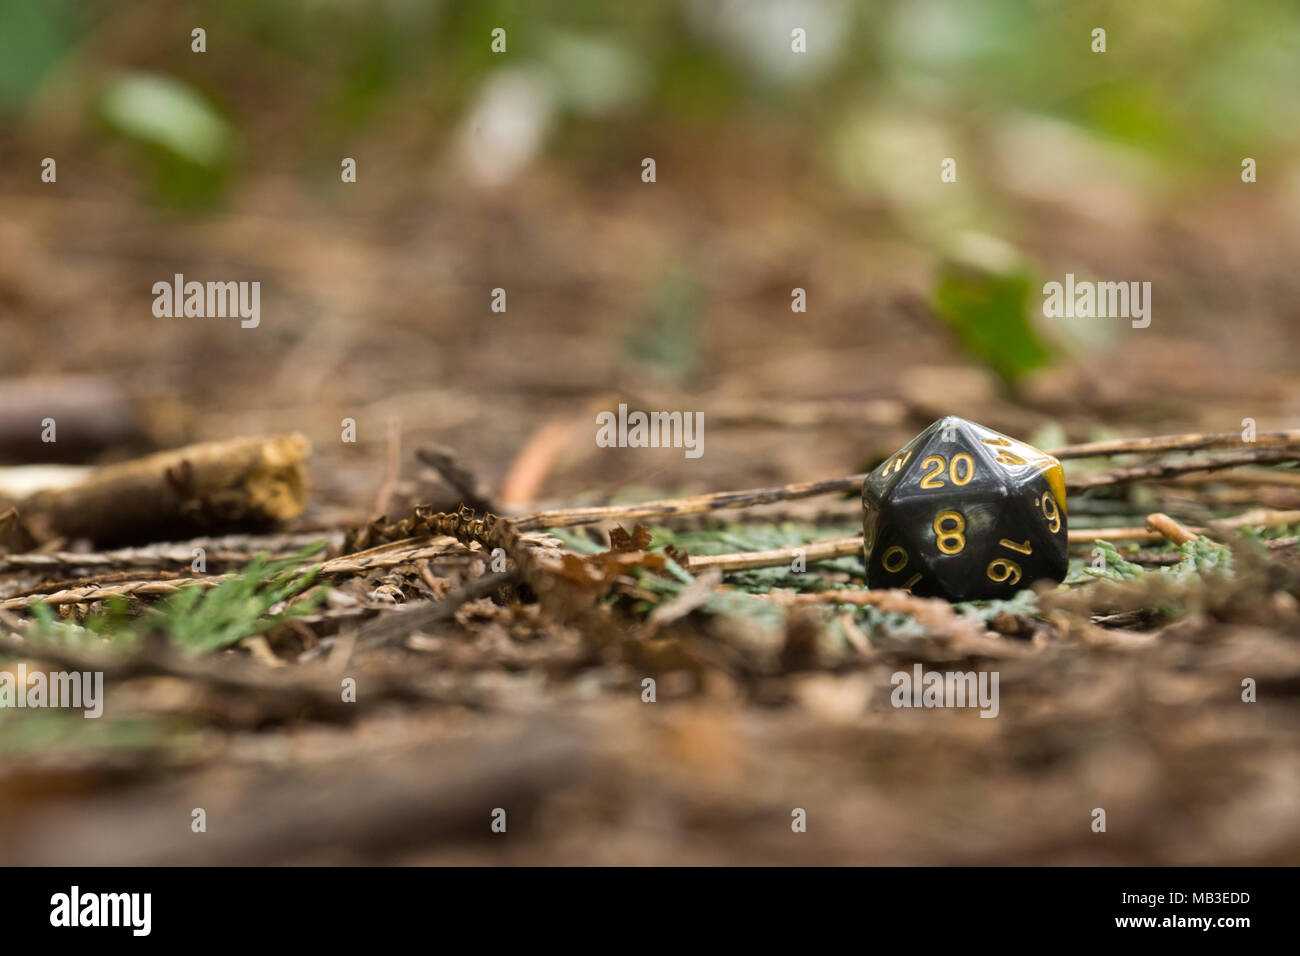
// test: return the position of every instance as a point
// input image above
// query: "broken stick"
(242, 484)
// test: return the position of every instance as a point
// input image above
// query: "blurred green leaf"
(166, 113)
(988, 310)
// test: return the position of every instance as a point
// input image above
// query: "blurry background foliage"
(1185, 89)
(1181, 79)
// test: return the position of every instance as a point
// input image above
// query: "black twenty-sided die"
(965, 513)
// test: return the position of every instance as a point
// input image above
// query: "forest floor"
(478, 689)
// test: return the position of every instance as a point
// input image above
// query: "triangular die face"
(952, 528)
(885, 475)
(895, 561)
(1004, 567)
(1019, 461)
(947, 438)
(982, 503)
(871, 520)
(942, 474)
(964, 576)
(1041, 521)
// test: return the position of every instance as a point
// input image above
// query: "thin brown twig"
(397, 553)
(1279, 447)
(851, 546)
(823, 550)
(1157, 470)
(229, 549)
(1082, 537)
(84, 595)
(696, 504)
(1249, 477)
(384, 556)
(1192, 441)
(1170, 529)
